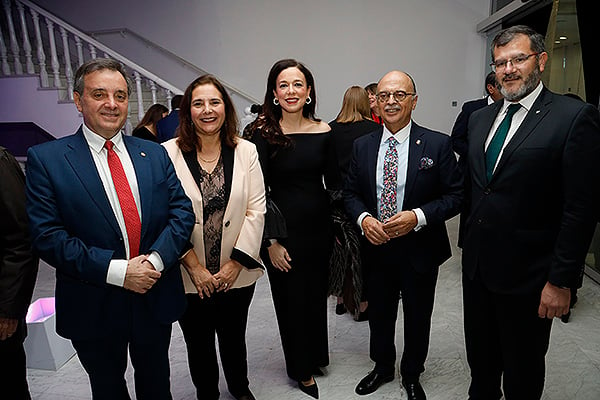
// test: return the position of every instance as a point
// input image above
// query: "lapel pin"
(143, 154)
(418, 141)
(537, 111)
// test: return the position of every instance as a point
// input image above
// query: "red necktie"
(128, 207)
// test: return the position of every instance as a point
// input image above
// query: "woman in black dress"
(295, 155)
(146, 128)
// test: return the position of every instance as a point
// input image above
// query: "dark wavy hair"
(187, 139)
(153, 115)
(268, 120)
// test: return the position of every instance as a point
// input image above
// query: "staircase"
(35, 44)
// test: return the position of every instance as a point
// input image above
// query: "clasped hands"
(378, 232)
(140, 275)
(207, 283)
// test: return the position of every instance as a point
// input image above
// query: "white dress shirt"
(402, 147)
(117, 268)
(526, 104)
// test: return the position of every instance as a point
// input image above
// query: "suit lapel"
(228, 157)
(416, 147)
(372, 151)
(143, 174)
(80, 159)
(478, 137)
(538, 111)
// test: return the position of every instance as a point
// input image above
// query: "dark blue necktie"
(495, 146)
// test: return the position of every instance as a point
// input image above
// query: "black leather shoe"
(414, 390)
(247, 396)
(311, 390)
(318, 372)
(371, 382)
(340, 309)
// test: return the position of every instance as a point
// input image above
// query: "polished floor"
(573, 362)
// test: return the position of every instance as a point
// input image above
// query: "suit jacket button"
(479, 221)
(226, 224)
(487, 191)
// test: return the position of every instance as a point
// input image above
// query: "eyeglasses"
(500, 65)
(399, 95)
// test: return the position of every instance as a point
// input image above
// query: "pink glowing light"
(40, 310)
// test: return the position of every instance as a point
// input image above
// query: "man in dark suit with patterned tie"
(533, 164)
(108, 212)
(403, 184)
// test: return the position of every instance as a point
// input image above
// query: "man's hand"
(374, 232)
(7, 327)
(554, 302)
(228, 274)
(140, 275)
(400, 224)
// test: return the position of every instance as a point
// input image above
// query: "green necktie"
(493, 150)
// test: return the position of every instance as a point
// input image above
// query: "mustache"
(514, 75)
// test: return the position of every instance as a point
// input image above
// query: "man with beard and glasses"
(533, 171)
(402, 185)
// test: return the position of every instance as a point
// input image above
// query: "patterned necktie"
(495, 146)
(128, 207)
(388, 203)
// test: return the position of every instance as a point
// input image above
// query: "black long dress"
(294, 176)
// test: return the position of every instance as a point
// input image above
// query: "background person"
(295, 155)
(18, 271)
(346, 272)
(220, 173)
(166, 127)
(146, 129)
(371, 89)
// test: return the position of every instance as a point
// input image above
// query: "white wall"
(343, 42)
(28, 102)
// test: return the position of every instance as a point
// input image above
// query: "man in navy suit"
(166, 127)
(118, 284)
(402, 216)
(533, 164)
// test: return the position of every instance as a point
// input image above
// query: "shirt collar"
(527, 101)
(96, 142)
(400, 136)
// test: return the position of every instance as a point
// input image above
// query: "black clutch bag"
(275, 227)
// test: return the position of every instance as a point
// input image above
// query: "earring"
(308, 100)
(275, 101)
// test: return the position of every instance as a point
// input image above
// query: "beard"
(529, 84)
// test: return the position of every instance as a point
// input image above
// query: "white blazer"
(244, 216)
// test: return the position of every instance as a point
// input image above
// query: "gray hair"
(99, 64)
(505, 36)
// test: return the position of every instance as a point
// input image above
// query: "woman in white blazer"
(221, 174)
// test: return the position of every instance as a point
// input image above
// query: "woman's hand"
(279, 257)
(227, 275)
(204, 281)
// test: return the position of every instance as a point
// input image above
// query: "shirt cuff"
(116, 272)
(361, 218)
(156, 261)
(421, 220)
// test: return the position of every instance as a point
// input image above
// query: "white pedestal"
(43, 347)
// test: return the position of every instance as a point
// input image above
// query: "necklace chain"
(209, 161)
